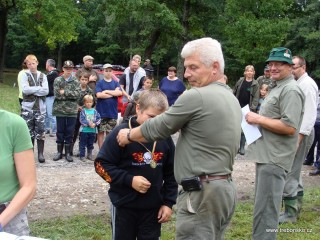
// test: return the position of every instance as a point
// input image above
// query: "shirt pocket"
(270, 108)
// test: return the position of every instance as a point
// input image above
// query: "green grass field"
(98, 227)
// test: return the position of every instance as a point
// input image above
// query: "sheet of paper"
(251, 132)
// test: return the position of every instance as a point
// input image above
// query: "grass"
(98, 227)
(9, 93)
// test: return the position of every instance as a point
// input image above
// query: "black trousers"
(65, 129)
(132, 224)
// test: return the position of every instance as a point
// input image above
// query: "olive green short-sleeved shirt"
(285, 102)
(210, 121)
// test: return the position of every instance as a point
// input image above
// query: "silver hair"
(51, 62)
(137, 57)
(208, 49)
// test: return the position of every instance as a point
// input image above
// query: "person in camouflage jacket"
(65, 107)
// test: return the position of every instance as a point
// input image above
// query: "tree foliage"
(113, 30)
(54, 21)
(254, 27)
(304, 36)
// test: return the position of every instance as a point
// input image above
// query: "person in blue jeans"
(89, 119)
(50, 120)
(310, 157)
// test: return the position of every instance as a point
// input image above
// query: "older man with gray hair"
(209, 117)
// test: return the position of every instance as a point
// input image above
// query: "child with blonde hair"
(89, 119)
(264, 90)
(142, 184)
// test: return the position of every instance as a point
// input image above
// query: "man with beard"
(87, 68)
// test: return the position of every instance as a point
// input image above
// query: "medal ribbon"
(151, 152)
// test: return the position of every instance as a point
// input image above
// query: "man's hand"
(61, 91)
(123, 137)
(140, 184)
(92, 78)
(253, 118)
(164, 214)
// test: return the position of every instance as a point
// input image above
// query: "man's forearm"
(276, 126)
(136, 135)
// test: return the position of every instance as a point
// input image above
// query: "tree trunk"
(152, 43)
(59, 65)
(185, 24)
(4, 10)
(3, 33)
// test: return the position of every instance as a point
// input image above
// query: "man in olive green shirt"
(265, 78)
(209, 117)
(279, 121)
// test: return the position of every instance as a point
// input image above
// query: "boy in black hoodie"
(142, 184)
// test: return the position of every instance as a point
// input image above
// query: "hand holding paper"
(251, 131)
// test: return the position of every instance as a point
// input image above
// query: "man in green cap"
(279, 121)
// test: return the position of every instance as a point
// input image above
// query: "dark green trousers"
(205, 214)
(270, 180)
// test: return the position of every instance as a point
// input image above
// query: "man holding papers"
(279, 121)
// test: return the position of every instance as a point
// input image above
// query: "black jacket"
(118, 165)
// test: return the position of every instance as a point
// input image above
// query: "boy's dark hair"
(172, 68)
(153, 98)
(84, 74)
(148, 78)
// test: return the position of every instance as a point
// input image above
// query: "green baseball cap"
(280, 54)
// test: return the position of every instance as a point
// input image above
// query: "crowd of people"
(139, 159)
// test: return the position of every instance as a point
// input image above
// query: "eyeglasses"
(295, 68)
(276, 64)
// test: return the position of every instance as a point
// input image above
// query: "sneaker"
(82, 159)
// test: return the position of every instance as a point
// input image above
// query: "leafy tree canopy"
(254, 27)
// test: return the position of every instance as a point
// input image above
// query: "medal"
(153, 164)
(147, 156)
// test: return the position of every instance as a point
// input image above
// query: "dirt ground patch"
(66, 189)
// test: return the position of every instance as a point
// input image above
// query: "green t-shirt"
(14, 138)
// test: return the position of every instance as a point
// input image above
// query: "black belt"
(2, 207)
(207, 178)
